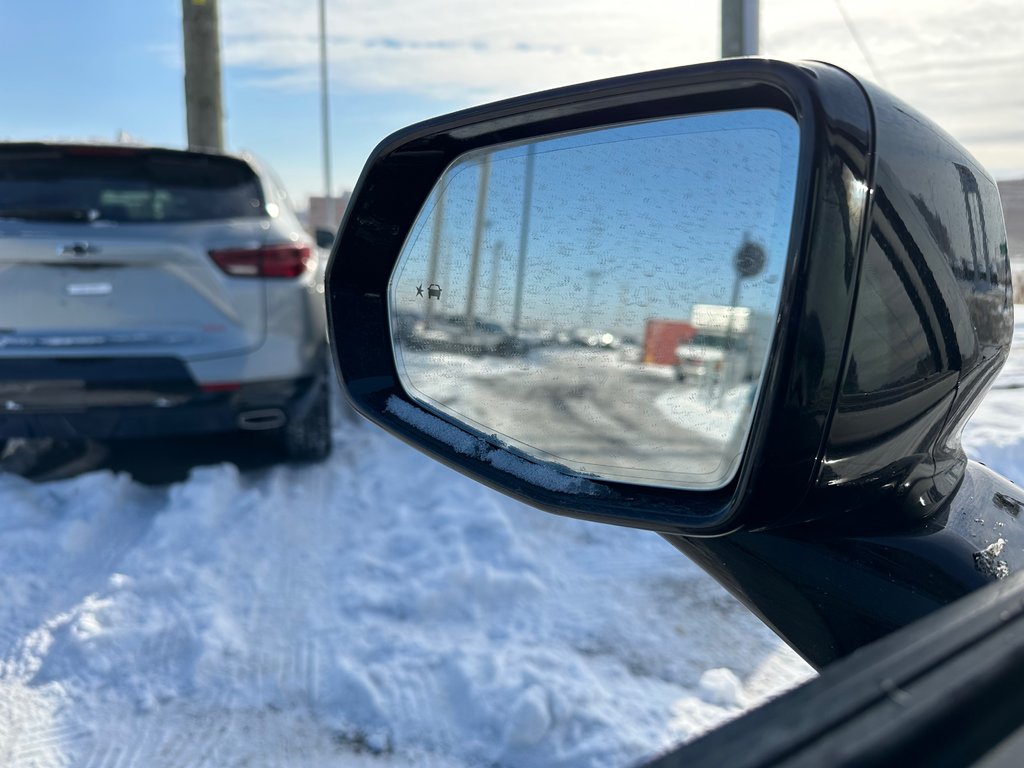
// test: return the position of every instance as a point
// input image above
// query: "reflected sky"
(626, 223)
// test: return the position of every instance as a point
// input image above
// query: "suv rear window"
(125, 185)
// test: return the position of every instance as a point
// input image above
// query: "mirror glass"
(605, 300)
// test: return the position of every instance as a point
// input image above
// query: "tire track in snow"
(41, 746)
(281, 663)
(105, 757)
(85, 542)
(89, 545)
(276, 615)
(424, 518)
(313, 656)
(199, 751)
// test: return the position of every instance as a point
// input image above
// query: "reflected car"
(704, 354)
(451, 334)
(588, 337)
(148, 292)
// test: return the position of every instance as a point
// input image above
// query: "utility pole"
(478, 238)
(741, 29)
(524, 238)
(203, 112)
(325, 127)
(497, 251)
(435, 249)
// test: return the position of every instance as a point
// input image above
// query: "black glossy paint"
(896, 315)
(932, 326)
(790, 424)
(931, 329)
(830, 589)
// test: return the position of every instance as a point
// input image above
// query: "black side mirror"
(819, 278)
(324, 238)
(838, 259)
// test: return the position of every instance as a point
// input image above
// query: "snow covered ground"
(377, 610)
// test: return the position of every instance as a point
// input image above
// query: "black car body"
(848, 515)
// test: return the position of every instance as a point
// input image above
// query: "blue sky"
(74, 70)
(116, 66)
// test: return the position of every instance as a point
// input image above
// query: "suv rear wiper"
(50, 214)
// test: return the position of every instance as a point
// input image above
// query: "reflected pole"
(435, 248)
(593, 275)
(747, 262)
(478, 237)
(524, 238)
(492, 303)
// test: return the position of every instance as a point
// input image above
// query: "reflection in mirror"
(605, 300)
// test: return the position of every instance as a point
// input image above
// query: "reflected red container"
(661, 337)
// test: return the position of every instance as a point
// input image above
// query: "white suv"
(149, 291)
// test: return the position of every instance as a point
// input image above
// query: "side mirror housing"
(891, 312)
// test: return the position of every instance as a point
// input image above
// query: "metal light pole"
(325, 130)
(748, 262)
(524, 238)
(740, 28)
(478, 238)
(497, 252)
(435, 249)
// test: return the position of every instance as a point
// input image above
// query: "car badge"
(77, 249)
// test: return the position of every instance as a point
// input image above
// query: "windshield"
(124, 185)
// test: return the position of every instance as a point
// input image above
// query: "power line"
(861, 46)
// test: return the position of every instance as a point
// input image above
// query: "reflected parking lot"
(590, 407)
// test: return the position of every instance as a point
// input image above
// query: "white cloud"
(958, 61)
(466, 47)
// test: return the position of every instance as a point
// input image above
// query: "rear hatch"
(106, 251)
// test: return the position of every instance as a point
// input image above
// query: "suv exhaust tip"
(267, 418)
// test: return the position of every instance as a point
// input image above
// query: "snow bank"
(376, 610)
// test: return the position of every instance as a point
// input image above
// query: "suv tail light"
(286, 260)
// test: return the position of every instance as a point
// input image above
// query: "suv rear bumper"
(138, 397)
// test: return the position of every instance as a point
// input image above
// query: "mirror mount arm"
(827, 591)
